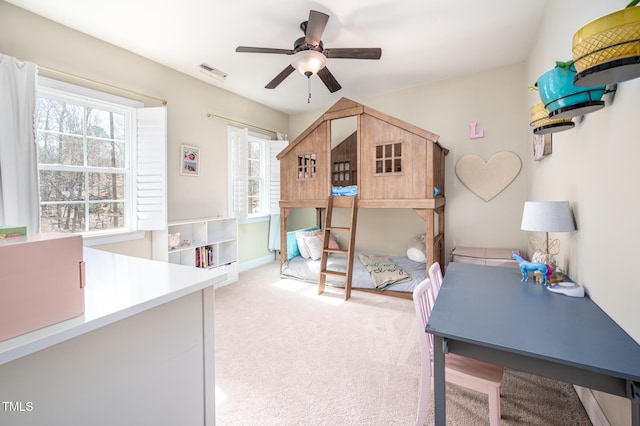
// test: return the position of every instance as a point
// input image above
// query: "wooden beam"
(344, 113)
(433, 203)
(284, 212)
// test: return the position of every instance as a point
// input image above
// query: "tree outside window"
(255, 176)
(82, 164)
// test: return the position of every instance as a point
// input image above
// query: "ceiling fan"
(310, 55)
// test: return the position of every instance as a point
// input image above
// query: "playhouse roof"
(347, 108)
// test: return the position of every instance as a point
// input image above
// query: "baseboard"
(254, 263)
(591, 406)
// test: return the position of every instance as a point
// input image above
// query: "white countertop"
(117, 287)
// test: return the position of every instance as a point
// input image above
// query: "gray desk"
(485, 312)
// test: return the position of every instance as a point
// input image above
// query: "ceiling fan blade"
(315, 27)
(280, 77)
(354, 53)
(329, 80)
(245, 49)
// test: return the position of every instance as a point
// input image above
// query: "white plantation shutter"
(274, 175)
(239, 152)
(151, 168)
(238, 140)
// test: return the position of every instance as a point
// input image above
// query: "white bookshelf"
(210, 243)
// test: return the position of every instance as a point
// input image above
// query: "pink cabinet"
(41, 282)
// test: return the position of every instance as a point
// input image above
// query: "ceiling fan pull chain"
(309, 90)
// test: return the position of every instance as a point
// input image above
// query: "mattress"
(308, 270)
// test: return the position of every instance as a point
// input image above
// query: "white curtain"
(274, 232)
(274, 192)
(19, 200)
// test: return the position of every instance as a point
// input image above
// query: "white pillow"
(417, 249)
(314, 246)
(300, 239)
(333, 241)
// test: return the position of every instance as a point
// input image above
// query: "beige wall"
(33, 38)
(594, 166)
(254, 237)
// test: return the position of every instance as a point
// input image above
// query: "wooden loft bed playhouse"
(393, 164)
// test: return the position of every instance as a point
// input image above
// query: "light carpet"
(287, 356)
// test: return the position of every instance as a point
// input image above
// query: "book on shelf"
(205, 256)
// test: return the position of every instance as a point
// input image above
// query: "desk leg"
(439, 386)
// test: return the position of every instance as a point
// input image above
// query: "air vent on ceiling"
(213, 72)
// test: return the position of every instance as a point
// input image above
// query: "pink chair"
(467, 372)
(435, 275)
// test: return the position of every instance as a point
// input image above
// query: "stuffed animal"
(174, 240)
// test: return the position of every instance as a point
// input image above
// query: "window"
(389, 157)
(257, 163)
(101, 161)
(254, 189)
(306, 166)
(341, 173)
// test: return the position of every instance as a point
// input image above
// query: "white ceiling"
(422, 41)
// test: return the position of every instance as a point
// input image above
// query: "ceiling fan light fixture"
(309, 62)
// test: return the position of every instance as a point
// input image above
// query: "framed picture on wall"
(189, 160)
(541, 146)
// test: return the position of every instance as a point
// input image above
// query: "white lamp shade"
(308, 61)
(547, 216)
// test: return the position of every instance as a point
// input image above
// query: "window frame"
(307, 165)
(60, 90)
(389, 154)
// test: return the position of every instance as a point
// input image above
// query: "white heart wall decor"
(487, 179)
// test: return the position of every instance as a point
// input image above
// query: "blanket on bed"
(384, 272)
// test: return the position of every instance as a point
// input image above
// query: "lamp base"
(553, 278)
(556, 278)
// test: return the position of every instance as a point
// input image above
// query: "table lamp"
(548, 216)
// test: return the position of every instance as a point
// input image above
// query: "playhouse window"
(341, 172)
(306, 166)
(389, 158)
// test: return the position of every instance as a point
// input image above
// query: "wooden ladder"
(347, 202)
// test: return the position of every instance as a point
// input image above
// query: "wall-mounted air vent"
(213, 72)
